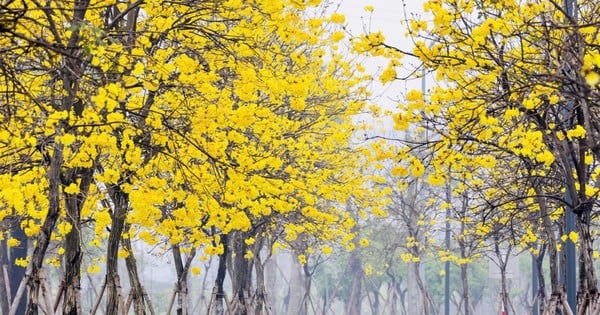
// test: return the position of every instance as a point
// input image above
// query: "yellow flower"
(416, 167)
(436, 179)
(545, 157)
(123, 253)
(302, 259)
(463, 261)
(573, 236)
(337, 36)
(530, 103)
(67, 139)
(22, 262)
(399, 171)
(196, 270)
(12, 242)
(414, 96)
(592, 78)
(54, 261)
(64, 228)
(406, 257)
(589, 158)
(72, 189)
(577, 132)
(337, 18)
(368, 269)
(93, 269)
(389, 74)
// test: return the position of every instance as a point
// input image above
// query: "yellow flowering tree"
(413, 211)
(181, 125)
(514, 106)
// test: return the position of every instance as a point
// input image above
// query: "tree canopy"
(511, 121)
(175, 123)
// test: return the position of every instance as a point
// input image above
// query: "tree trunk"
(541, 292)
(465, 288)
(296, 288)
(376, 302)
(307, 286)
(393, 293)
(402, 294)
(425, 300)
(72, 262)
(588, 289)
(43, 238)
(353, 305)
(412, 290)
(241, 279)
(502, 263)
(113, 282)
(261, 301)
(392, 299)
(74, 203)
(182, 277)
(137, 291)
(549, 232)
(220, 280)
(271, 284)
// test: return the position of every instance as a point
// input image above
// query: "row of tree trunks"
(247, 297)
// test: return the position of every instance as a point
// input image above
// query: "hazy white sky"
(389, 17)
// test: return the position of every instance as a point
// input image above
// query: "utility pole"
(534, 284)
(570, 263)
(447, 263)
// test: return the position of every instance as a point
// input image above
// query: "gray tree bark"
(43, 238)
(353, 305)
(137, 290)
(297, 293)
(271, 283)
(219, 307)
(241, 276)
(74, 204)
(120, 201)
